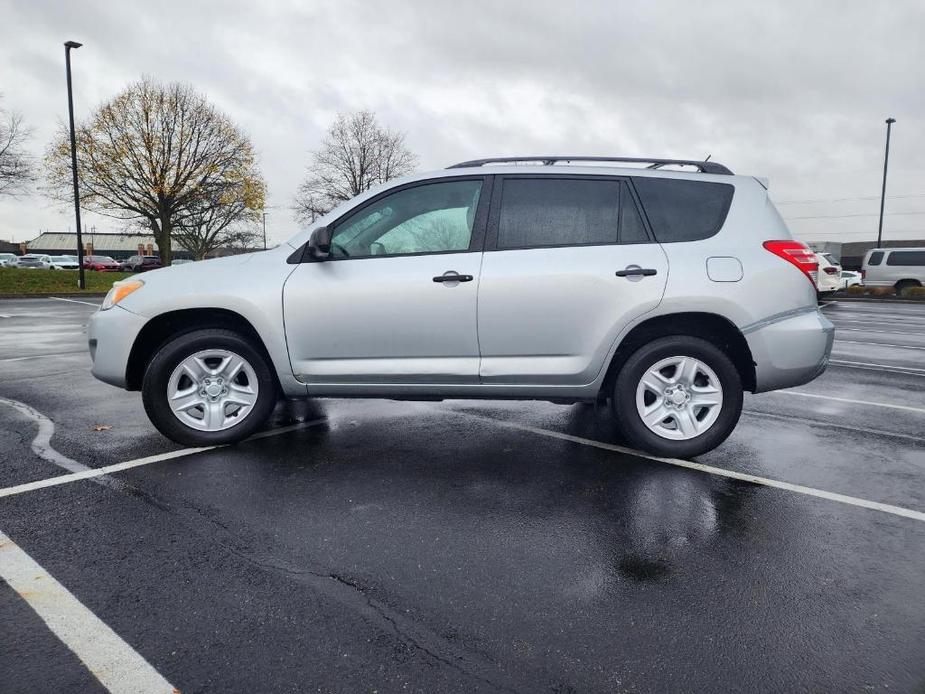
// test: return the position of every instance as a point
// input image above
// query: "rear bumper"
(791, 349)
(828, 283)
(111, 335)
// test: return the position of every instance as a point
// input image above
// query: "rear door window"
(875, 258)
(906, 258)
(683, 210)
(547, 212)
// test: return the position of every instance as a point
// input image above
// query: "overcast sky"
(795, 91)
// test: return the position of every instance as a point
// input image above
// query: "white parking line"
(877, 344)
(43, 356)
(41, 444)
(868, 403)
(869, 366)
(869, 330)
(890, 320)
(90, 473)
(709, 469)
(832, 425)
(118, 667)
(75, 301)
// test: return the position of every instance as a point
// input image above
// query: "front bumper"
(111, 334)
(791, 349)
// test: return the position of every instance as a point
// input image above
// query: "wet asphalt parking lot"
(379, 546)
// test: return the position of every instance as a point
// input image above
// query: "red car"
(102, 263)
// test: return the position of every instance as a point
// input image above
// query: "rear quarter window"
(875, 258)
(682, 210)
(904, 258)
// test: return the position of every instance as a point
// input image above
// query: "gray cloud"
(791, 90)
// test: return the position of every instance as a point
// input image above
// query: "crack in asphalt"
(411, 640)
(323, 582)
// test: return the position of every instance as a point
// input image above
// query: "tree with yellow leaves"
(161, 155)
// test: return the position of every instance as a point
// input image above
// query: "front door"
(568, 264)
(396, 301)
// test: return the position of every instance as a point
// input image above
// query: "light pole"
(68, 45)
(264, 231)
(886, 160)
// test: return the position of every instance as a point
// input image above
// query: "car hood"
(201, 268)
(221, 282)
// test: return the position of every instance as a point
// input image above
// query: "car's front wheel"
(208, 387)
(678, 396)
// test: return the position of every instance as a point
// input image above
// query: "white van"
(901, 268)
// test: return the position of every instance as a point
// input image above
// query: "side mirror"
(319, 243)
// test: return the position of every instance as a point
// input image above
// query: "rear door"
(568, 263)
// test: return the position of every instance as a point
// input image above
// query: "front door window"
(431, 218)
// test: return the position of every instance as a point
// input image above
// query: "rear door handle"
(636, 271)
(453, 276)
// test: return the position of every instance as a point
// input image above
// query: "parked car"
(34, 261)
(900, 268)
(8, 259)
(503, 281)
(828, 278)
(181, 261)
(850, 279)
(100, 263)
(64, 262)
(141, 263)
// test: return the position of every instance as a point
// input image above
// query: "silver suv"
(667, 292)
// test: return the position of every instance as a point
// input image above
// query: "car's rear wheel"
(208, 387)
(678, 396)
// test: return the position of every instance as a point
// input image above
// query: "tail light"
(863, 274)
(797, 254)
(830, 270)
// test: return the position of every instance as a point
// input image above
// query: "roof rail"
(710, 167)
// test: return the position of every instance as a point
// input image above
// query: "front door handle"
(453, 276)
(636, 271)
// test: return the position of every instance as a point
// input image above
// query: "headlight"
(119, 291)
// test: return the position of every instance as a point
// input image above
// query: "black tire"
(170, 354)
(624, 396)
(903, 285)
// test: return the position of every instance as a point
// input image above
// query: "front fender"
(247, 285)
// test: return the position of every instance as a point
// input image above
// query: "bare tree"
(16, 166)
(159, 154)
(355, 155)
(218, 225)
